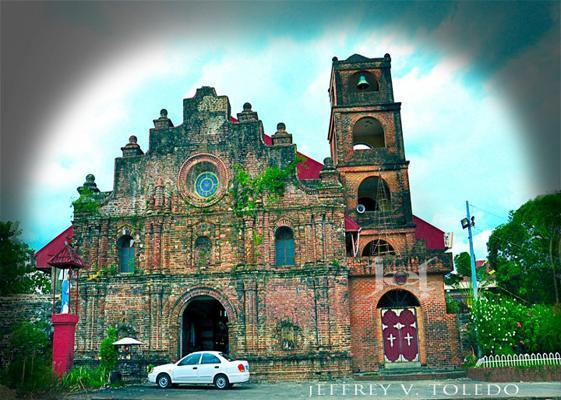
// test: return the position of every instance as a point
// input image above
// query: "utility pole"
(468, 223)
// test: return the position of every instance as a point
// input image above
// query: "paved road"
(442, 389)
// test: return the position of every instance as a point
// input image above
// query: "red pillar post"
(63, 342)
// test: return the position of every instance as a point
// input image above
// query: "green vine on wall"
(87, 202)
(102, 271)
(265, 188)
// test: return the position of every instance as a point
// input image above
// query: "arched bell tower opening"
(374, 194)
(204, 326)
(368, 133)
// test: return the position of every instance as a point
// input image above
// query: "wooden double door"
(400, 335)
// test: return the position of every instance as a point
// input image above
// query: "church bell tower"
(366, 143)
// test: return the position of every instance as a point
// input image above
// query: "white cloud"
(480, 240)
(463, 145)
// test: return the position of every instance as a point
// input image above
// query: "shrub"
(82, 378)
(107, 352)
(502, 325)
(494, 323)
(452, 305)
(540, 329)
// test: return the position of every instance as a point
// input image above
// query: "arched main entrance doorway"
(204, 326)
(400, 337)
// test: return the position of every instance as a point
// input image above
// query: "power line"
(488, 212)
(510, 242)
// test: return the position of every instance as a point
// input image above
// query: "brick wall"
(516, 374)
(437, 330)
(317, 301)
(151, 306)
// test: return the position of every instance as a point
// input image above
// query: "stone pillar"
(103, 247)
(250, 311)
(156, 248)
(322, 311)
(63, 342)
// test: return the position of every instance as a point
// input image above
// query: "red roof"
(308, 169)
(351, 225)
(67, 258)
(433, 237)
(43, 256)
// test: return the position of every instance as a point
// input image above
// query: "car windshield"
(191, 359)
(227, 357)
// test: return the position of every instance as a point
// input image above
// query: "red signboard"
(399, 333)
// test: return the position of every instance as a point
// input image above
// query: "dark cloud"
(50, 48)
(515, 48)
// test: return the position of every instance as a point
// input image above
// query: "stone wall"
(18, 308)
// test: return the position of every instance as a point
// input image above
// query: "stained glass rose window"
(206, 184)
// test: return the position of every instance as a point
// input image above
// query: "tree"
(463, 264)
(524, 252)
(27, 358)
(17, 273)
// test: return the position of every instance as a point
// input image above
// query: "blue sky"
(452, 70)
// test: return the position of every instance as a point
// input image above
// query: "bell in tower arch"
(362, 83)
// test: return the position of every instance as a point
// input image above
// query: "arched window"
(368, 133)
(374, 194)
(284, 246)
(398, 298)
(378, 247)
(125, 245)
(202, 250)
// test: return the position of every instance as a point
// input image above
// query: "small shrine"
(65, 316)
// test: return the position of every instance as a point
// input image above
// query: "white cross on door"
(408, 337)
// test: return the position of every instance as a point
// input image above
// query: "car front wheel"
(164, 381)
(221, 382)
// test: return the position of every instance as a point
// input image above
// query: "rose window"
(206, 184)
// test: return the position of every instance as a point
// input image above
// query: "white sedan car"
(202, 367)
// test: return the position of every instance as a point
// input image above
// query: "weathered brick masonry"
(171, 216)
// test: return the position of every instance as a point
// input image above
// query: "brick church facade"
(332, 275)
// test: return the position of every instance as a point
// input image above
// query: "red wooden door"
(399, 333)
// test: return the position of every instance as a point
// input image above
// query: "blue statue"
(65, 295)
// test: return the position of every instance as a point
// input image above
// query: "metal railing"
(519, 360)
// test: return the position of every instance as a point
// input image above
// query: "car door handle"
(194, 367)
(216, 366)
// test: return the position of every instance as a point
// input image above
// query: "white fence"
(519, 360)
